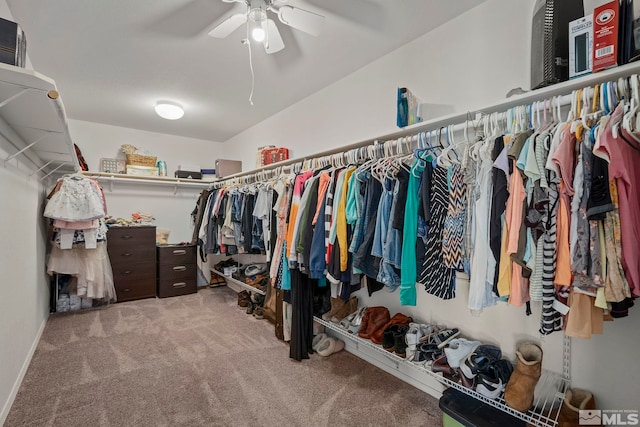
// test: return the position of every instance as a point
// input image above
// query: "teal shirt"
(408, 272)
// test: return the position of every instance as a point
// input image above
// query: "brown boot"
(574, 401)
(336, 304)
(519, 391)
(374, 318)
(349, 307)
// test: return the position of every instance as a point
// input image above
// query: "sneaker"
(426, 353)
(458, 349)
(442, 338)
(477, 361)
(493, 380)
(250, 308)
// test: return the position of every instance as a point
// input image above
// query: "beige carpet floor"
(198, 360)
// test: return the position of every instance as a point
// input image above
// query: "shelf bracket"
(111, 185)
(41, 167)
(14, 155)
(56, 168)
(11, 98)
(175, 189)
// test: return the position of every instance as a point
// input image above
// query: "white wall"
(24, 292)
(467, 63)
(170, 210)
(464, 64)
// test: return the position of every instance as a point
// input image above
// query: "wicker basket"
(140, 160)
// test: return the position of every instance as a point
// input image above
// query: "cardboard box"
(227, 167)
(580, 45)
(605, 35)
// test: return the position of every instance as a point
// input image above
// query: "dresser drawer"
(134, 288)
(134, 253)
(176, 255)
(127, 235)
(138, 269)
(177, 272)
(172, 288)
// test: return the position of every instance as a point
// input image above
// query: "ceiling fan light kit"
(169, 110)
(262, 28)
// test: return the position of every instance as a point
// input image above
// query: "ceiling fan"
(262, 28)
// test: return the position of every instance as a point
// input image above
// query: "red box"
(274, 155)
(605, 35)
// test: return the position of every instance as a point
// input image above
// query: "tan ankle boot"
(574, 401)
(336, 304)
(349, 307)
(519, 391)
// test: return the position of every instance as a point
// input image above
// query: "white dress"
(76, 200)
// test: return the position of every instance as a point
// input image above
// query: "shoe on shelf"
(348, 308)
(336, 304)
(458, 349)
(374, 318)
(518, 393)
(441, 365)
(329, 346)
(355, 322)
(575, 401)
(426, 353)
(400, 344)
(397, 319)
(480, 359)
(491, 381)
(344, 323)
(388, 337)
(442, 338)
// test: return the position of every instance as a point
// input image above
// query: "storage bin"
(140, 160)
(459, 409)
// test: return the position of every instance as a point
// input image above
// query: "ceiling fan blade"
(303, 20)
(228, 26)
(273, 42)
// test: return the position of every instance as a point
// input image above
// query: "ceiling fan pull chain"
(248, 43)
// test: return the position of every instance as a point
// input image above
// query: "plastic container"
(459, 409)
(162, 236)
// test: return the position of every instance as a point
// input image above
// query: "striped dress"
(437, 278)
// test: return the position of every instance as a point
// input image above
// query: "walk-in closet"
(284, 212)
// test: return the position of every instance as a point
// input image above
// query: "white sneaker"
(458, 349)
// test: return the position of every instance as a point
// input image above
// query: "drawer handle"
(126, 272)
(179, 285)
(179, 252)
(179, 268)
(127, 236)
(127, 290)
(126, 254)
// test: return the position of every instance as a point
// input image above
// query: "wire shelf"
(549, 392)
(239, 283)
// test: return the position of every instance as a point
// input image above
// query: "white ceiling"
(113, 59)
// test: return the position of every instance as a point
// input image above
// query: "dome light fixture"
(169, 110)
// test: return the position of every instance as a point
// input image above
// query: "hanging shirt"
(625, 158)
(410, 234)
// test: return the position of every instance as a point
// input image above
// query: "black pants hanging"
(301, 316)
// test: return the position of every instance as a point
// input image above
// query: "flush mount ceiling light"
(169, 110)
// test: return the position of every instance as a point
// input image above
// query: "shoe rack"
(549, 392)
(240, 259)
(239, 283)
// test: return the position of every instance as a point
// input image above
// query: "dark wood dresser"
(132, 251)
(177, 270)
